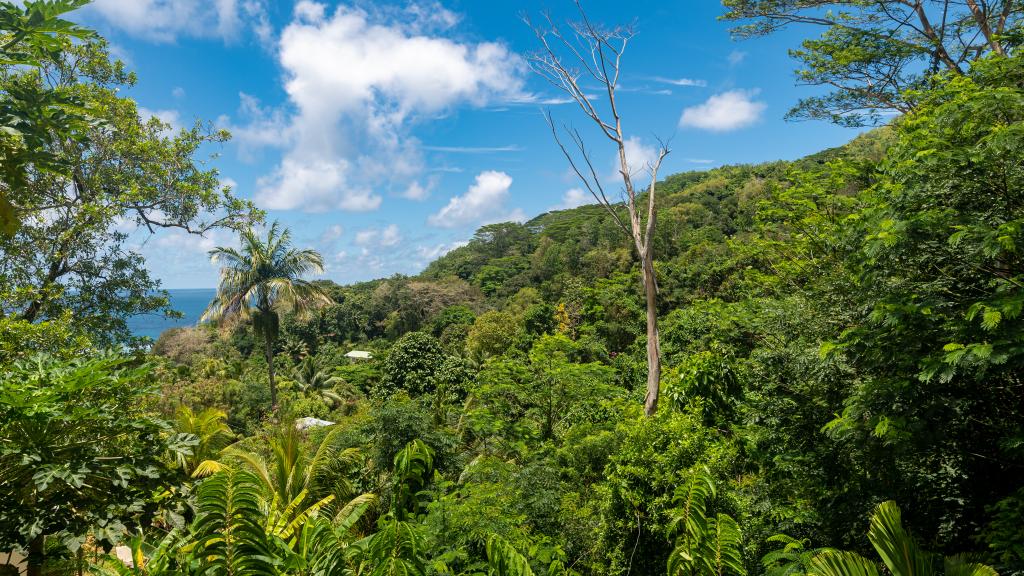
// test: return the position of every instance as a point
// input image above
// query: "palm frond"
(351, 512)
(963, 565)
(897, 548)
(839, 563)
(209, 468)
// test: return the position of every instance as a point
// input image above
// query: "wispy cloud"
(475, 149)
(531, 98)
(166, 20)
(694, 82)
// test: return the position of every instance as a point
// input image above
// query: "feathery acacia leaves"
(505, 560)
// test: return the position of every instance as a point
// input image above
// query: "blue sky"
(385, 134)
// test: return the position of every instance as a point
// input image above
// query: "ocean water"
(191, 302)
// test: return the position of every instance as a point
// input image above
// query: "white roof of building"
(310, 422)
(359, 354)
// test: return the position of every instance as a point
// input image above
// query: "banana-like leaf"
(839, 563)
(961, 565)
(897, 548)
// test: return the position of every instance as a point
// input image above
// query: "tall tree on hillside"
(123, 170)
(872, 51)
(34, 115)
(261, 280)
(573, 61)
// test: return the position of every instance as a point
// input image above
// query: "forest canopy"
(841, 340)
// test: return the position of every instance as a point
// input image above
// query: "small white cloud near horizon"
(483, 202)
(331, 234)
(724, 112)
(639, 157)
(419, 191)
(379, 237)
(178, 243)
(430, 253)
(574, 198)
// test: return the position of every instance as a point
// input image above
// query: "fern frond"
(228, 532)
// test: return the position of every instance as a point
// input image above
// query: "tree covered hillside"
(841, 349)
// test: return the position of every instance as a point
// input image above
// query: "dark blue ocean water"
(191, 302)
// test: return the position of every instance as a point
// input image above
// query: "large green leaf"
(897, 548)
(839, 563)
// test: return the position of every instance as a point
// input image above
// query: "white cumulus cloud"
(313, 186)
(379, 237)
(573, 198)
(170, 117)
(331, 234)
(483, 202)
(356, 82)
(639, 157)
(724, 112)
(166, 20)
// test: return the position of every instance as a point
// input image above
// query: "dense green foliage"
(842, 339)
(81, 451)
(873, 52)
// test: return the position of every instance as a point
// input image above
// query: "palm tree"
(261, 280)
(210, 427)
(298, 480)
(314, 380)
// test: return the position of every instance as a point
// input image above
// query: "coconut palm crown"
(262, 279)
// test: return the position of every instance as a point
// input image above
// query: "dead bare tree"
(591, 54)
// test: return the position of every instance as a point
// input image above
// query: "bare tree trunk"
(594, 54)
(268, 352)
(653, 344)
(36, 556)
